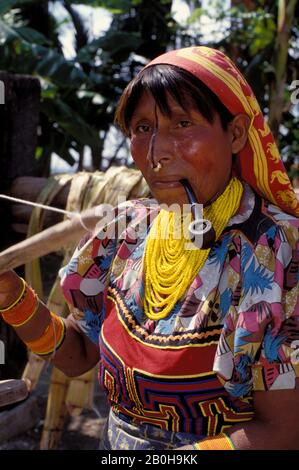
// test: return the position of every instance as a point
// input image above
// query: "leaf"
(6, 5)
(38, 152)
(32, 36)
(112, 42)
(64, 153)
(61, 143)
(48, 91)
(44, 61)
(54, 66)
(70, 121)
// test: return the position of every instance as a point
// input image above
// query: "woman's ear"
(239, 127)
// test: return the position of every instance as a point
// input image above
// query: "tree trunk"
(286, 12)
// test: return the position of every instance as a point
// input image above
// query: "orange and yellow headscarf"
(259, 163)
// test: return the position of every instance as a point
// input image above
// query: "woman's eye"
(184, 123)
(142, 128)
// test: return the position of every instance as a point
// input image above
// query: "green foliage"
(256, 28)
(31, 57)
(117, 44)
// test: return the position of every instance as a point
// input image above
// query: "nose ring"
(157, 167)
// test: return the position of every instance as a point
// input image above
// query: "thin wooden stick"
(52, 239)
(41, 206)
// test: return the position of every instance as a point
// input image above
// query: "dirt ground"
(82, 432)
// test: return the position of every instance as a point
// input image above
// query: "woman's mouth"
(162, 184)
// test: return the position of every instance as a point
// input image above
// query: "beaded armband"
(51, 339)
(19, 299)
(219, 442)
(22, 309)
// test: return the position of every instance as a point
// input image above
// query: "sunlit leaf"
(38, 152)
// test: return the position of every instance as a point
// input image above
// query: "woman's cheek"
(133, 148)
(138, 153)
(192, 152)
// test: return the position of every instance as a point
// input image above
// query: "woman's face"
(186, 145)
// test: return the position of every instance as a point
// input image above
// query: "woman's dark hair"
(184, 87)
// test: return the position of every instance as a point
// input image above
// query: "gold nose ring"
(157, 167)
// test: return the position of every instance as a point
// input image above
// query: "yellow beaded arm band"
(51, 339)
(16, 301)
(219, 442)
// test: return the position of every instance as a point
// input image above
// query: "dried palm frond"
(49, 192)
(56, 410)
(80, 393)
(34, 367)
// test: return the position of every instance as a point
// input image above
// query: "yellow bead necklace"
(169, 267)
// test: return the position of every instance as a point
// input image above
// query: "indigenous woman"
(198, 343)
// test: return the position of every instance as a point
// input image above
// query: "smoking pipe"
(201, 231)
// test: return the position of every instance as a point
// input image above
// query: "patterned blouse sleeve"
(259, 344)
(84, 279)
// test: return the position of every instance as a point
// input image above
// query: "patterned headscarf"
(259, 163)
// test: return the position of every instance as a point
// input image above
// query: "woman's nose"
(160, 150)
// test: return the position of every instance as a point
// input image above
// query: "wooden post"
(19, 117)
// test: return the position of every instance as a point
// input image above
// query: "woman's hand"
(10, 288)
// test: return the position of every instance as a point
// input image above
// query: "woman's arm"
(274, 427)
(77, 353)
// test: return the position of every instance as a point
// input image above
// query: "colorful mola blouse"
(236, 330)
